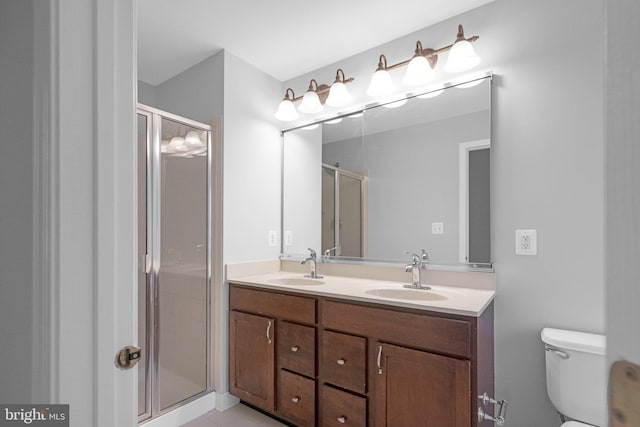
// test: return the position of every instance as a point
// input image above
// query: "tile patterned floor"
(238, 416)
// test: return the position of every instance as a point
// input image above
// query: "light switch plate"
(273, 238)
(437, 228)
(526, 242)
(288, 238)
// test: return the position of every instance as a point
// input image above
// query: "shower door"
(174, 243)
(343, 212)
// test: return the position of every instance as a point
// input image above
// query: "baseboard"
(225, 401)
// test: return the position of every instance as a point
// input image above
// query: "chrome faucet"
(312, 263)
(417, 264)
(327, 253)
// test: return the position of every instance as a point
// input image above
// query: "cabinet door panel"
(251, 359)
(417, 388)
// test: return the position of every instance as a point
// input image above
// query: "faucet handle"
(414, 257)
(425, 256)
(312, 253)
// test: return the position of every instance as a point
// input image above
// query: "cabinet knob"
(341, 362)
(295, 399)
(342, 419)
(295, 348)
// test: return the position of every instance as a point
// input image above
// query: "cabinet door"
(251, 359)
(416, 388)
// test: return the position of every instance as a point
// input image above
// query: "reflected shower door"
(342, 212)
(182, 279)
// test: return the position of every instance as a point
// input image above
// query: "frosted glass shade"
(381, 84)
(193, 139)
(338, 95)
(462, 57)
(310, 103)
(431, 94)
(418, 72)
(177, 144)
(286, 111)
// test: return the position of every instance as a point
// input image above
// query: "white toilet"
(577, 376)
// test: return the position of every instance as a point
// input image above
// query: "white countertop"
(443, 299)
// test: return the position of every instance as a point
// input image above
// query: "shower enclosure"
(174, 250)
(343, 212)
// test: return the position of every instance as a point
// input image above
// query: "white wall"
(547, 174)
(623, 181)
(16, 194)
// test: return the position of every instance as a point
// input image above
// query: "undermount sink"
(295, 281)
(407, 294)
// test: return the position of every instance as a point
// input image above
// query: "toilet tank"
(577, 374)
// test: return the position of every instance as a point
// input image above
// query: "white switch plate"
(273, 238)
(437, 228)
(526, 242)
(288, 238)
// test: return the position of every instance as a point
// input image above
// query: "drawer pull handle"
(295, 348)
(269, 332)
(342, 419)
(341, 362)
(379, 360)
(295, 399)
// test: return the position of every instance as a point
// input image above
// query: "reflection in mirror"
(405, 178)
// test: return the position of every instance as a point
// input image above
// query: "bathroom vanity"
(335, 352)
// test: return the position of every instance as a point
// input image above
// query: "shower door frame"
(337, 172)
(152, 260)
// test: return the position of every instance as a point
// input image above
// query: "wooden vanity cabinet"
(252, 359)
(336, 362)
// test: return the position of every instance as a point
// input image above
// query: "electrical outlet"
(437, 228)
(526, 242)
(288, 238)
(273, 238)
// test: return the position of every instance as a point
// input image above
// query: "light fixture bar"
(431, 53)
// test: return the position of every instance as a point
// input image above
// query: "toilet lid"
(575, 424)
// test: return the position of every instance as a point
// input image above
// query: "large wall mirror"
(399, 177)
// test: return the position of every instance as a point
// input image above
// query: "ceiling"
(284, 38)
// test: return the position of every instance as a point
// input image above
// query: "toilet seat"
(575, 424)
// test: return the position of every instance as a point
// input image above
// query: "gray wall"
(547, 174)
(413, 179)
(623, 181)
(16, 193)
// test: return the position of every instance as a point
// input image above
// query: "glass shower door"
(174, 274)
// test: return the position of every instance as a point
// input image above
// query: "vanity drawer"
(342, 409)
(271, 304)
(423, 331)
(297, 348)
(297, 399)
(343, 361)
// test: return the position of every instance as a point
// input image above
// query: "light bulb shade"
(310, 103)
(286, 111)
(177, 144)
(338, 95)
(418, 72)
(381, 84)
(193, 139)
(431, 94)
(462, 57)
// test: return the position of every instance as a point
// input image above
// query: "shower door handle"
(128, 357)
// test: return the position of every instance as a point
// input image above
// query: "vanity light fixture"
(462, 57)
(286, 110)
(311, 101)
(334, 95)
